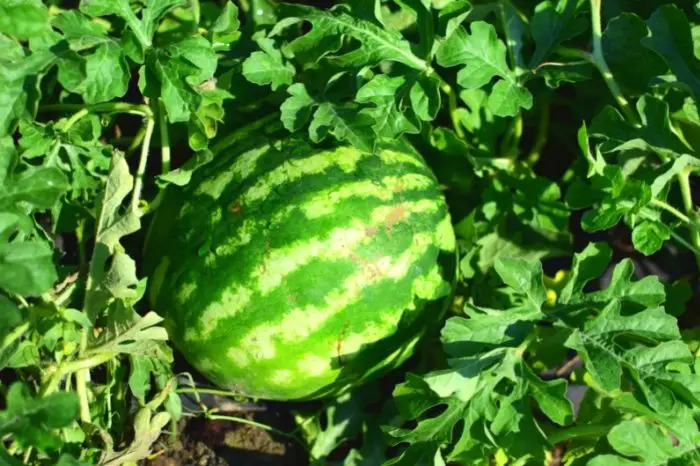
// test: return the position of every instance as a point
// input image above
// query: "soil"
(203, 442)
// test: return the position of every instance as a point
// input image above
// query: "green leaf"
(120, 8)
(175, 71)
(635, 439)
(80, 32)
(344, 123)
(329, 27)
(23, 18)
(647, 292)
(268, 67)
(111, 227)
(418, 454)
(680, 164)
(451, 16)
(23, 355)
(37, 139)
(35, 187)
(33, 421)
(486, 330)
(425, 97)
(140, 376)
(296, 109)
(372, 450)
(648, 237)
(205, 121)
(106, 75)
(40, 187)
(556, 74)
(142, 28)
(632, 64)
(226, 27)
(655, 134)
(551, 397)
(344, 417)
(182, 175)
(516, 31)
(481, 51)
(390, 114)
(587, 265)
(524, 277)
(552, 24)
(484, 57)
(671, 38)
(596, 164)
(132, 335)
(19, 83)
(26, 267)
(421, 11)
(154, 11)
(10, 315)
(599, 347)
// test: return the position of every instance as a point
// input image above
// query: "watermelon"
(288, 271)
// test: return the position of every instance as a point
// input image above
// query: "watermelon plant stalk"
(164, 138)
(541, 139)
(110, 107)
(141, 170)
(684, 182)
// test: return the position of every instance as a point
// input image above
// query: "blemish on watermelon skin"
(396, 215)
(236, 208)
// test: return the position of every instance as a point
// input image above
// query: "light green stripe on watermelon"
(344, 158)
(243, 167)
(292, 272)
(300, 323)
(446, 235)
(338, 244)
(325, 202)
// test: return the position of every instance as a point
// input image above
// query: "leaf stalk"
(686, 193)
(141, 169)
(164, 138)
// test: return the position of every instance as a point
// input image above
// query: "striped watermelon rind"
(286, 271)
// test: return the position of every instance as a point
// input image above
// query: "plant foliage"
(565, 134)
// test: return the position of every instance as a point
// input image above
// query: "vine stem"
(541, 140)
(81, 380)
(74, 119)
(684, 183)
(164, 138)
(453, 107)
(141, 170)
(598, 59)
(109, 107)
(74, 366)
(672, 210)
(210, 391)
